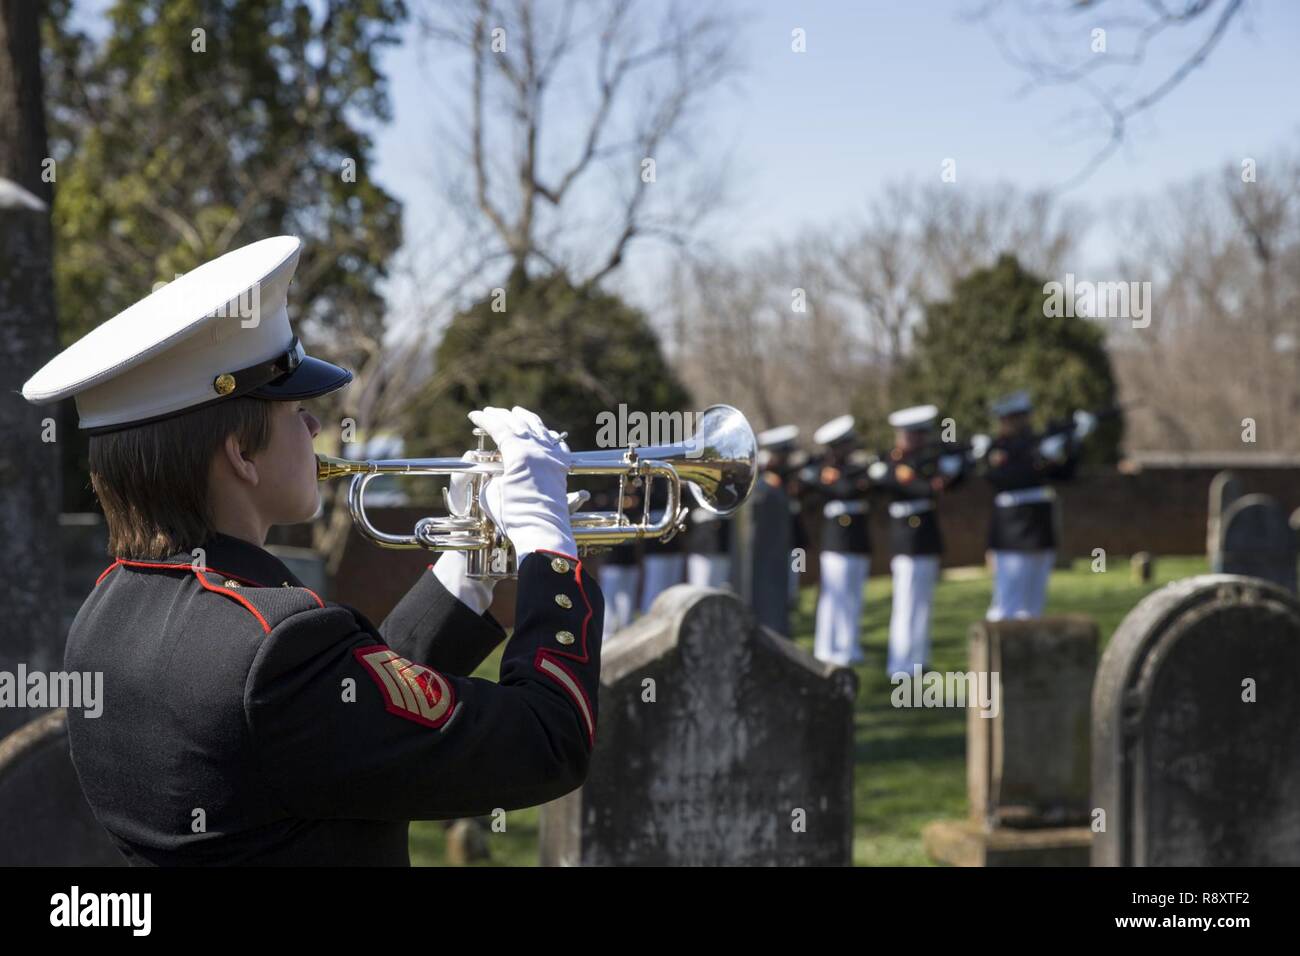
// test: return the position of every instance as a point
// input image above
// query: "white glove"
(1085, 423)
(1053, 447)
(878, 470)
(450, 568)
(527, 501)
(980, 445)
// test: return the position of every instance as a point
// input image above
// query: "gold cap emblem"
(224, 383)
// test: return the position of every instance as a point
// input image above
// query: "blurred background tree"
(564, 351)
(991, 337)
(193, 127)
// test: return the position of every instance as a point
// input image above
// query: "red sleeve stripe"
(562, 676)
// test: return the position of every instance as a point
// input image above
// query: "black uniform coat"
(846, 533)
(1014, 463)
(247, 721)
(908, 480)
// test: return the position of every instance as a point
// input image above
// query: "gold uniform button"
(563, 601)
(914, 521)
(565, 637)
(224, 383)
(559, 565)
(844, 520)
(231, 583)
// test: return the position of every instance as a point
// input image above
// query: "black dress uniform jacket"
(907, 483)
(707, 533)
(1014, 464)
(248, 721)
(842, 531)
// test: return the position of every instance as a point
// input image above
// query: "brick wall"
(1157, 508)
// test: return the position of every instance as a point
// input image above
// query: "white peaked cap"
(914, 418)
(837, 429)
(216, 332)
(778, 437)
(1017, 403)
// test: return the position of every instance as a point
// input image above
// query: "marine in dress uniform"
(620, 573)
(247, 720)
(776, 529)
(708, 550)
(664, 562)
(845, 557)
(1021, 467)
(912, 474)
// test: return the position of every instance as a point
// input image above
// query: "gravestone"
(1141, 567)
(1257, 541)
(765, 540)
(743, 756)
(1225, 488)
(1027, 758)
(1196, 728)
(44, 818)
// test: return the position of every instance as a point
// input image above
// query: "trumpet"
(719, 464)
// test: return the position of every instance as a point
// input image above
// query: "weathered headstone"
(44, 818)
(1196, 728)
(1027, 761)
(1257, 540)
(767, 539)
(719, 743)
(1225, 488)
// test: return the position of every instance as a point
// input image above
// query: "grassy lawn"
(910, 763)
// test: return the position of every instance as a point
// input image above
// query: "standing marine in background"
(914, 472)
(664, 563)
(620, 568)
(708, 550)
(1021, 466)
(775, 529)
(845, 558)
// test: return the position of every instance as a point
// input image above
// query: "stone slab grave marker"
(764, 541)
(1225, 488)
(1188, 770)
(1027, 765)
(748, 739)
(44, 818)
(1257, 540)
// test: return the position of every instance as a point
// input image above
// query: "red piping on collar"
(198, 574)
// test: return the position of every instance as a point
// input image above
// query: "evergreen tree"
(992, 336)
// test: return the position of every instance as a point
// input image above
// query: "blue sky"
(887, 90)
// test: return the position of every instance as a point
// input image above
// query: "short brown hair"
(152, 479)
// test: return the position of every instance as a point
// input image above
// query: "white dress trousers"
(1020, 584)
(618, 585)
(839, 607)
(662, 571)
(709, 570)
(909, 621)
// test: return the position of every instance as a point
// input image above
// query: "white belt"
(834, 509)
(1024, 496)
(905, 509)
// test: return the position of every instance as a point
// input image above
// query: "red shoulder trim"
(266, 628)
(106, 570)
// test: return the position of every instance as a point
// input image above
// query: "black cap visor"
(312, 377)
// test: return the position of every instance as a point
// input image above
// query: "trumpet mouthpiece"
(328, 467)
